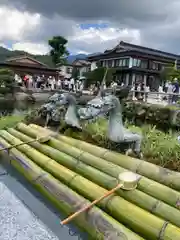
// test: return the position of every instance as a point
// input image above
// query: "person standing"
(72, 84)
(26, 80)
(66, 84)
(175, 91)
(59, 84)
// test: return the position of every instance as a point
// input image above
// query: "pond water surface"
(16, 107)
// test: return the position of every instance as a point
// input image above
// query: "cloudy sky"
(90, 26)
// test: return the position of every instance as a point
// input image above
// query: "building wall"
(83, 70)
(93, 65)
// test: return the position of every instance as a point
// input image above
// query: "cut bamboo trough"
(78, 170)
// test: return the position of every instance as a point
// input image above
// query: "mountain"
(71, 58)
(6, 53)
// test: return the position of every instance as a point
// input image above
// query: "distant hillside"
(6, 53)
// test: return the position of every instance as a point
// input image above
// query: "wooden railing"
(154, 97)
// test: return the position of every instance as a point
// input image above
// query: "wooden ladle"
(127, 181)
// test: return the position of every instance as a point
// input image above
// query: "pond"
(16, 107)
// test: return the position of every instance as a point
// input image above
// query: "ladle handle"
(71, 217)
(23, 143)
(19, 144)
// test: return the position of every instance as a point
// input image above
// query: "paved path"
(23, 216)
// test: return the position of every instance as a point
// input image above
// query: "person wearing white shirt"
(66, 84)
(59, 84)
(160, 90)
(72, 84)
(30, 82)
(53, 83)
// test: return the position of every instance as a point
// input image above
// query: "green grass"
(158, 147)
(10, 121)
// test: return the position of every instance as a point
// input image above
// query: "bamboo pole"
(141, 199)
(159, 174)
(146, 185)
(96, 223)
(140, 221)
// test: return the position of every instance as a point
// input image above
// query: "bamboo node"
(80, 205)
(104, 227)
(39, 177)
(178, 203)
(80, 155)
(104, 153)
(70, 181)
(155, 206)
(161, 233)
(138, 167)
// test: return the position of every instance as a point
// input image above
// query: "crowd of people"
(74, 85)
(51, 83)
(168, 91)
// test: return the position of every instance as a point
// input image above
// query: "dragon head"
(98, 107)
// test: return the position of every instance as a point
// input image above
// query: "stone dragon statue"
(100, 105)
(117, 133)
(58, 103)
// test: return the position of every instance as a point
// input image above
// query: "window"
(124, 62)
(154, 65)
(105, 63)
(116, 64)
(101, 63)
(136, 62)
(144, 64)
(140, 63)
(69, 70)
(120, 62)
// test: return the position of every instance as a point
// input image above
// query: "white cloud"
(14, 24)
(34, 48)
(30, 32)
(95, 40)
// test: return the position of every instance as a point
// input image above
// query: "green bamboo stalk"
(139, 220)
(137, 197)
(159, 174)
(146, 185)
(97, 223)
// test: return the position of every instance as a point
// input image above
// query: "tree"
(169, 73)
(59, 51)
(75, 73)
(7, 83)
(98, 74)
